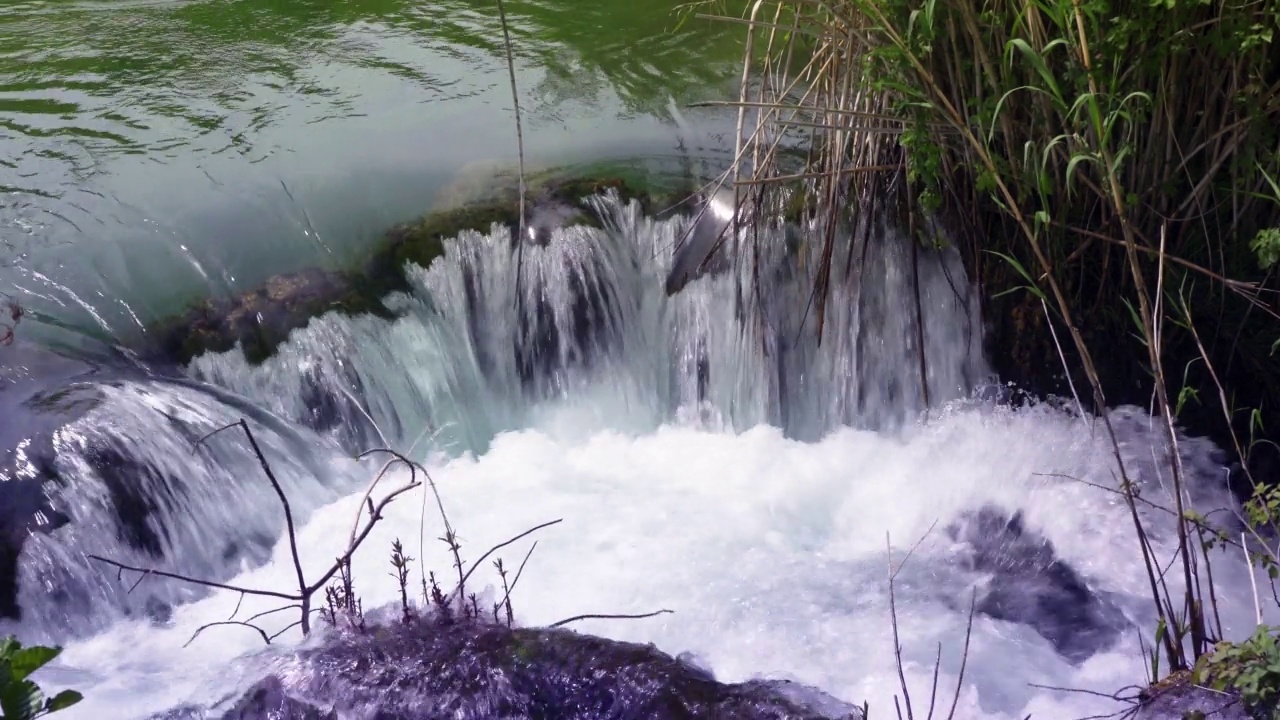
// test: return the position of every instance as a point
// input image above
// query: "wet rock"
(1030, 585)
(1178, 698)
(40, 391)
(704, 249)
(260, 319)
(553, 203)
(427, 669)
(268, 699)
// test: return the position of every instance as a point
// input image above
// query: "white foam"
(770, 551)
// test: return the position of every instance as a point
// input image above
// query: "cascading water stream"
(469, 358)
(584, 392)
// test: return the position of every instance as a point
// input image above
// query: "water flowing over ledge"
(591, 306)
(705, 452)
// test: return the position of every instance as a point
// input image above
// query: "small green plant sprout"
(20, 698)
(1250, 668)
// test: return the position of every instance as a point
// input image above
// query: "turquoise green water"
(155, 150)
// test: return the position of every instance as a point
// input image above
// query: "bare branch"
(964, 659)
(444, 516)
(576, 618)
(893, 618)
(265, 638)
(503, 544)
(377, 515)
(195, 581)
(506, 597)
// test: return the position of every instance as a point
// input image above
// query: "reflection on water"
(151, 151)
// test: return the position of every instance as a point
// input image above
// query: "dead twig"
(503, 544)
(515, 101)
(305, 590)
(893, 617)
(964, 658)
(641, 616)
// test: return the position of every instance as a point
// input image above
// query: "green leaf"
(63, 700)
(28, 660)
(1266, 245)
(1021, 271)
(21, 700)
(1071, 166)
(1038, 64)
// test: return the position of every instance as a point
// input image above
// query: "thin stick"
(964, 659)
(1253, 580)
(933, 695)
(506, 595)
(194, 581)
(444, 516)
(374, 517)
(1063, 358)
(288, 521)
(642, 616)
(501, 545)
(303, 596)
(515, 101)
(265, 638)
(893, 617)
(913, 549)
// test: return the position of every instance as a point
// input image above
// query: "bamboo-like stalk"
(1105, 152)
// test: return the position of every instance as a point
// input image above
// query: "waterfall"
(707, 451)
(588, 333)
(136, 482)
(473, 353)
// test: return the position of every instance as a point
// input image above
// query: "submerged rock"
(1029, 584)
(428, 670)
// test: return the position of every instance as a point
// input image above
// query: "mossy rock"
(259, 319)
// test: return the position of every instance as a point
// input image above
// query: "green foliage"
(1262, 511)
(1080, 143)
(1266, 245)
(1250, 668)
(1115, 158)
(20, 698)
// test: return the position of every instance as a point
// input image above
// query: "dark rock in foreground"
(1178, 698)
(426, 670)
(1031, 585)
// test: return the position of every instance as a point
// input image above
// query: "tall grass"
(1114, 162)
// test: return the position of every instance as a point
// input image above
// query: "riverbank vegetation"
(1110, 171)
(20, 698)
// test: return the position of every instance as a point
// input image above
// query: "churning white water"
(770, 552)
(746, 502)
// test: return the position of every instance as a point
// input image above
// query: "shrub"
(1250, 668)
